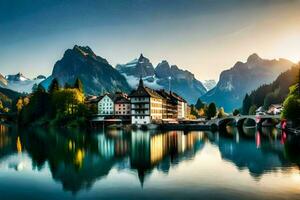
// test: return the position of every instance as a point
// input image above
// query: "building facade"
(146, 105)
(122, 106)
(106, 105)
(182, 109)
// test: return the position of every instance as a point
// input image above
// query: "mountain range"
(242, 78)
(98, 76)
(19, 83)
(164, 76)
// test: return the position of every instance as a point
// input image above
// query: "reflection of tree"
(73, 158)
(77, 159)
(245, 154)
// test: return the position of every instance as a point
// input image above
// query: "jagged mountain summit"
(141, 67)
(94, 71)
(17, 77)
(242, 78)
(19, 83)
(163, 76)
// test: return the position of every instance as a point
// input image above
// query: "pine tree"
(199, 104)
(211, 110)
(54, 86)
(246, 104)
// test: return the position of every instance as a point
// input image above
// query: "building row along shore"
(142, 106)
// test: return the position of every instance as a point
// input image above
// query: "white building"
(106, 105)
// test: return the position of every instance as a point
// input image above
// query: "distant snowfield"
(134, 81)
(23, 86)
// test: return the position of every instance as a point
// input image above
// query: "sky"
(202, 36)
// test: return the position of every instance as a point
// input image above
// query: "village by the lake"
(149, 99)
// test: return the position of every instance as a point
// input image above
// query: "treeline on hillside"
(274, 93)
(57, 106)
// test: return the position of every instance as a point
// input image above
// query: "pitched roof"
(122, 99)
(177, 97)
(143, 91)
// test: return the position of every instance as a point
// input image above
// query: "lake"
(115, 164)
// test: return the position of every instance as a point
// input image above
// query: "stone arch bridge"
(239, 121)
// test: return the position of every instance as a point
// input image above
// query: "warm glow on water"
(147, 165)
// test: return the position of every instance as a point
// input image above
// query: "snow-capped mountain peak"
(16, 77)
(18, 82)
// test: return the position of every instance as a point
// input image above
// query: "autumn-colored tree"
(221, 113)
(19, 105)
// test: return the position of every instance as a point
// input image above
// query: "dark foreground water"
(51, 164)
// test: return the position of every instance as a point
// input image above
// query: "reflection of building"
(275, 109)
(148, 150)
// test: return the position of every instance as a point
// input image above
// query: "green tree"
(194, 111)
(252, 110)
(54, 86)
(78, 85)
(65, 102)
(291, 106)
(247, 102)
(235, 112)
(211, 110)
(199, 104)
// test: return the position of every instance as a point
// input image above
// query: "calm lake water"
(111, 164)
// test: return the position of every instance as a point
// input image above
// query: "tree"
(194, 111)
(78, 85)
(211, 110)
(235, 112)
(19, 105)
(252, 110)
(65, 102)
(199, 104)
(247, 102)
(291, 106)
(221, 113)
(54, 86)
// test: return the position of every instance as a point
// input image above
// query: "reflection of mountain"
(246, 154)
(77, 160)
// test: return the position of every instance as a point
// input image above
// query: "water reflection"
(78, 159)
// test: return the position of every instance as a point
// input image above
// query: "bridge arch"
(224, 122)
(241, 121)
